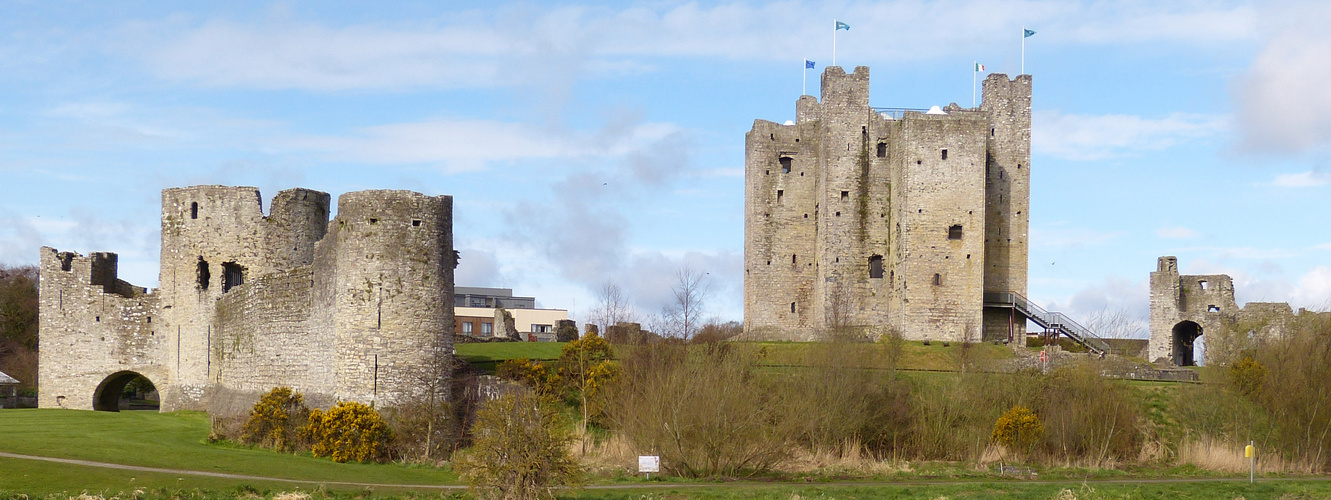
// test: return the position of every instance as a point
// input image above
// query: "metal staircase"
(1053, 322)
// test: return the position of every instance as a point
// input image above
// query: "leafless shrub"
(701, 408)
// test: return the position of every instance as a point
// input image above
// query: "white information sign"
(649, 463)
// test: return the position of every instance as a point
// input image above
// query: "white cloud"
(1314, 289)
(1176, 233)
(1098, 137)
(1310, 178)
(466, 145)
(516, 45)
(1284, 105)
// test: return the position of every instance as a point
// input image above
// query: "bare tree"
(612, 307)
(1116, 323)
(692, 286)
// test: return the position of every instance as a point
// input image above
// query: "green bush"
(520, 449)
(348, 431)
(276, 420)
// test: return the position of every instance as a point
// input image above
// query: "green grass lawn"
(176, 441)
(485, 355)
(914, 355)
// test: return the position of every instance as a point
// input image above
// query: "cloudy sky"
(586, 143)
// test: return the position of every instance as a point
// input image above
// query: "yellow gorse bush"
(276, 419)
(1018, 428)
(348, 431)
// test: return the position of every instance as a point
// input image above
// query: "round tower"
(393, 294)
(297, 220)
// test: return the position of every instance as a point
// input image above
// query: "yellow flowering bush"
(275, 420)
(1019, 428)
(348, 431)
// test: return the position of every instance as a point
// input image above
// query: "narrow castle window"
(1202, 283)
(954, 232)
(1213, 308)
(944, 153)
(194, 210)
(838, 214)
(876, 266)
(845, 195)
(938, 279)
(416, 222)
(786, 163)
(374, 221)
(780, 194)
(892, 276)
(792, 308)
(204, 275)
(792, 258)
(233, 275)
(991, 132)
(882, 150)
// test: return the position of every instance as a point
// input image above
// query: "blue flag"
(843, 26)
(808, 64)
(1028, 33)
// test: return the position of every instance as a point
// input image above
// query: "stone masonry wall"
(869, 192)
(350, 309)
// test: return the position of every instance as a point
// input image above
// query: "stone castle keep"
(349, 309)
(876, 217)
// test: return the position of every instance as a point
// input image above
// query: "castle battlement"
(340, 309)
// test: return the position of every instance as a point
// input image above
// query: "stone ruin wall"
(861, 187)
(345, 309)
(1206, 300)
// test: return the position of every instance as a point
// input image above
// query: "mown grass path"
(177, 441)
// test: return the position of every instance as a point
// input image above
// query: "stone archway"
(1185, 333)
(108, 394)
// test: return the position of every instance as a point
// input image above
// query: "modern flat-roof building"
(476, 314)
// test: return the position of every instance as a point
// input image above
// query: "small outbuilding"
(8, 391)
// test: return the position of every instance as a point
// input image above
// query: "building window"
(944, 154)
(466, 328)
(792, 308)
(487, 329)
(204, 275)
(882, 150)
(1203, 284)
(845, 195)
(233, 275)
(786, 162)
(938, 279)
(194, 210)
(542, 328)
(954, 232)
(876, 266)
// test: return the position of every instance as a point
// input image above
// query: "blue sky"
(594, 142)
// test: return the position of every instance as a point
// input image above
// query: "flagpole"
(804, 82)
(974, 75)
(1023, 50)
(834, 30)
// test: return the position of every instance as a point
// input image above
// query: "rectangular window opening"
(792, 258)
(944, 154)
(954, 232)
(786, 164)
(938, 279)
(1203, 284)
(779, 195)
(466, 328)
(845, 195)
(204, 275)
(194, 210)
(487, 329)
(876, 266)
(233, 275)
(1213, 308)
(882, 150)
(416, 222)
(792, 308)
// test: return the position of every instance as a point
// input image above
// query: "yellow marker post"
(1250, 452)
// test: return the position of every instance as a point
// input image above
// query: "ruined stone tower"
(356, 308)
(861, 217)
